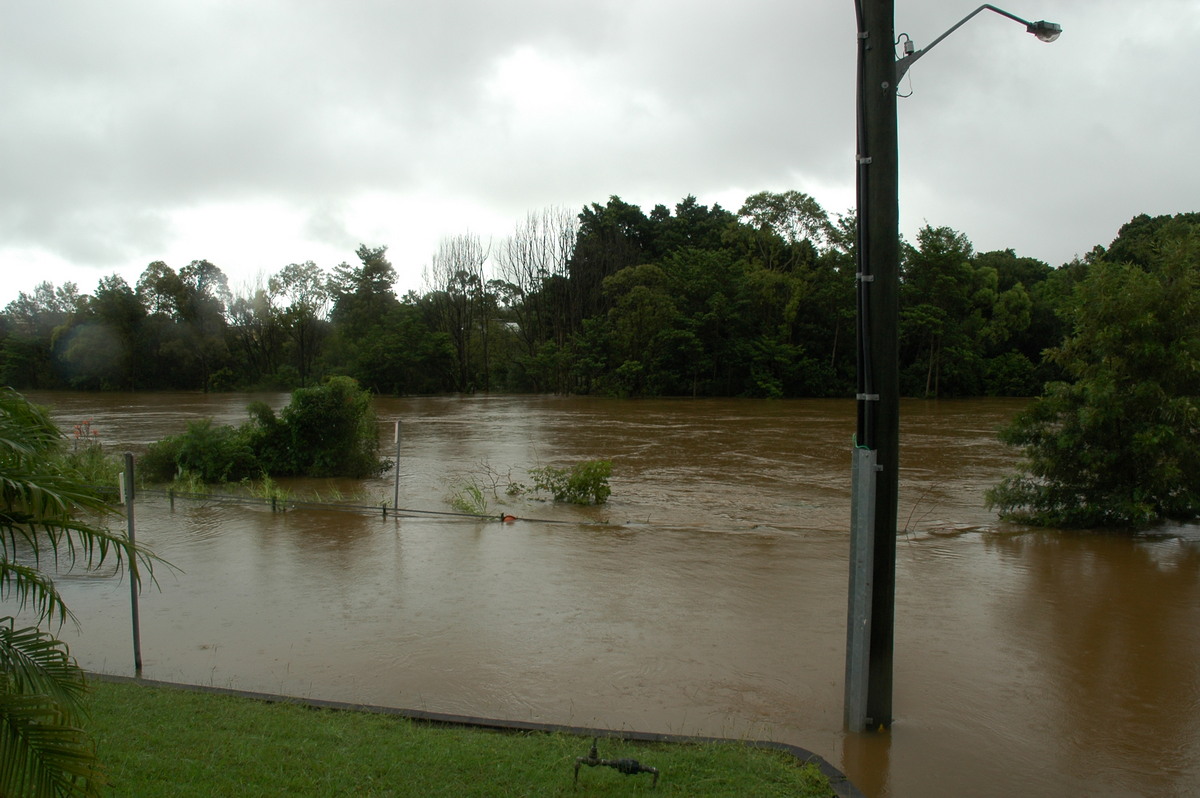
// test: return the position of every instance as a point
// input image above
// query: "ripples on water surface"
(707, 597)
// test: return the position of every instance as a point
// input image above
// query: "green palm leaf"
(50, 521)
(34, 662)
(29, 588)
(41, 754)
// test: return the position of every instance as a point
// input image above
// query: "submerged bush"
(158, 464)
(583, 483)
(208, 453)
(331, 432)
(326, 431)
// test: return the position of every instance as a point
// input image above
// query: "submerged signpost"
(396, 493)
(127, 500)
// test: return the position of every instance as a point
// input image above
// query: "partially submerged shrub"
(159, 463)
(326, 431)
(582, 483)
(208, 453)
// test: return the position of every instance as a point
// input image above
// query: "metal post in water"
(127, 498)
(396, 496)
(858, 624)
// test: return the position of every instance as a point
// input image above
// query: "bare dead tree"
(457, 285)
(533, 264)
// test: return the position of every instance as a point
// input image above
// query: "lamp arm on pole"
(1045, 31)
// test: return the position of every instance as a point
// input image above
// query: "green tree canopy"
(1116, 443)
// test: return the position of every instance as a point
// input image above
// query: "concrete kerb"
(837, 780)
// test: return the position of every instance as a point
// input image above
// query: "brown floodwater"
(708, 596)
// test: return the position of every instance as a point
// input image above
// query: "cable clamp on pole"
(864, 159)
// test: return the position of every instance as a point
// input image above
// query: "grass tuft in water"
(470, 498)
(267, 489)
(189, 482)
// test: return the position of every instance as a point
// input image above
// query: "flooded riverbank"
(707, 597)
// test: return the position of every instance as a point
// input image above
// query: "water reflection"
(1119, 667)
(868, 756)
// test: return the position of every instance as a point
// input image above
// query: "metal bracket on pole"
(862, 559)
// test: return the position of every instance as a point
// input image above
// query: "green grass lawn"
(158, 741)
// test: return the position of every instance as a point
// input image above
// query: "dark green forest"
(690, 301)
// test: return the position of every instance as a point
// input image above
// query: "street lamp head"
(1045, 31)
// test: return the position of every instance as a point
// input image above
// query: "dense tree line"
(689, 301)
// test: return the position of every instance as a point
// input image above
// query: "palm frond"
(44, 522)
(45, 509)
(30, 588)
(40, 754)
(34, 662)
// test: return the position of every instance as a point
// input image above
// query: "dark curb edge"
(837, 780)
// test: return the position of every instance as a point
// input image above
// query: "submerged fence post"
(858, 623)
(396, 494)
(127, 500)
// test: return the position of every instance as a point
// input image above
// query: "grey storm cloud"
(124, 121)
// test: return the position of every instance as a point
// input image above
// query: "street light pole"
(876, 458)
(877, 440)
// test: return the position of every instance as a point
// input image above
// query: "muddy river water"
(708, 596)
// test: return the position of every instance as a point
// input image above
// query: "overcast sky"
(260, 133)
